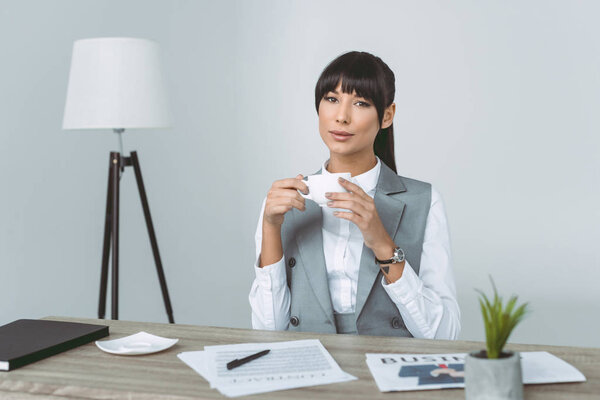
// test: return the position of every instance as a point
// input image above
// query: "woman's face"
(348, 123)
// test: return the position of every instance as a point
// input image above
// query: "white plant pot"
(493, 379)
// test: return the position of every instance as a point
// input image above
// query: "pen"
(241, 361)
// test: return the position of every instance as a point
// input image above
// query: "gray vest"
(403, 205)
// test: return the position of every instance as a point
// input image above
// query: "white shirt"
(427, 302)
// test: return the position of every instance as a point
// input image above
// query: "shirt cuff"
(272, 276)
(405, 289)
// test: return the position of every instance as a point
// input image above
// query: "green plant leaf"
(499, 319)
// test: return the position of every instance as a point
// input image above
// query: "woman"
(318, 270)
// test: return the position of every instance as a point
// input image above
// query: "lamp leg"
(106, 245)
(153, 242)
(115, 165)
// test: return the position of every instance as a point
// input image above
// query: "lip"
(341, 135)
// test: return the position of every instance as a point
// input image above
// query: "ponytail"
(384, 147)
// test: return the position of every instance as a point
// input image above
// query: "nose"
(343, 116)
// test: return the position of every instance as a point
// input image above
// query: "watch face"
(399, 254)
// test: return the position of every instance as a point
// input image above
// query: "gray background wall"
(497, 107)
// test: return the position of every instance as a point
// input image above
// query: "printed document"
(288, 365)
(394, 372)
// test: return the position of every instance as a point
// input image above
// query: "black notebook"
(28, 340)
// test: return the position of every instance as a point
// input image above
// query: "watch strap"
(397, 258)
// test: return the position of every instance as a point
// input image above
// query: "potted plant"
(494, 373)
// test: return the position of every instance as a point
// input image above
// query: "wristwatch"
(397, 258)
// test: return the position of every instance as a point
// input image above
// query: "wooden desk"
(87, 372)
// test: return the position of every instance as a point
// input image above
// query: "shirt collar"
(367, 180)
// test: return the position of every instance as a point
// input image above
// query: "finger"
(287, 183)
(354, 206)
(298, 204)
(300, 198)
(280, 210)
(285, 193)
(347, 215)
(341, 195)
(291, 183)
(301, 178)
(365, 202)
(289, 201)
(351, 187)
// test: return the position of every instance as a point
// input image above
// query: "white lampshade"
(116, 83)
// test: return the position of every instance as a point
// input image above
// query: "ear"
(388, 116)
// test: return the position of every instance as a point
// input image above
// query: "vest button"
(294, 321)
(396, 323)
(292, 262)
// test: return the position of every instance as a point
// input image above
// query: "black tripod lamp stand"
(116, 166)
(117, 83)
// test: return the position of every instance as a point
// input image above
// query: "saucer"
(139, 343)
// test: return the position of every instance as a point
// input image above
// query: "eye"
(330, 99)
(363, 103)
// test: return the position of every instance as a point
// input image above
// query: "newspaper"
(398, 372)
(288, 365)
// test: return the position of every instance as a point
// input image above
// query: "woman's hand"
(365, 217)
(282, 197)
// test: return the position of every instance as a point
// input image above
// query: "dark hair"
(373, 80)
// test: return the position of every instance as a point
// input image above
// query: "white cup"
(318, 185)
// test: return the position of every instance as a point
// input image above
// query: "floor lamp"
(117, 84)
